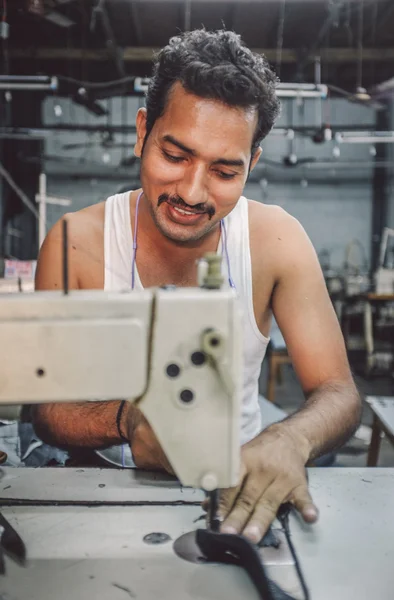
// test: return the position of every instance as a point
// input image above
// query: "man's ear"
(255, 158)
(140, 124)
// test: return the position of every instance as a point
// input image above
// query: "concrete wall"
(332, 215)
(333, 202)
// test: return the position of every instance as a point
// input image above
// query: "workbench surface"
(84, 531)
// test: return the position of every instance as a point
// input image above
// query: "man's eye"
(223, 175)
(175, 159)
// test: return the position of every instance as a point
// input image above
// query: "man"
(210, 103)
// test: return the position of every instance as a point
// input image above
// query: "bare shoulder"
(82, 224)
(271, 219)
(272, 225)
(85, 237)
(278, 238)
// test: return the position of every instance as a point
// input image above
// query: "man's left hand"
(273, 472)
(145, 447)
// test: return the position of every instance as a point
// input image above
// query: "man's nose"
(193, 187)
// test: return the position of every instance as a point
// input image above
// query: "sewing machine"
(105, 533)
(175, 352)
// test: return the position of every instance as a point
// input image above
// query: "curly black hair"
(215, 65)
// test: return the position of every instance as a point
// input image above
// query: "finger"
(244, 505)
(264, 513)
(227, 500)
(228, 497)
(302, 500)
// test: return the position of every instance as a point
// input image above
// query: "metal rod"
(300, 86)
(25, 79)
(367, 140)
(349, 164)
(21, 82)
(42, 209)
(22, 87)
(364, 137)
(321, 92)
(65, 256)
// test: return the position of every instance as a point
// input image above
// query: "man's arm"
(305, 315)
(77, 424)
(274, 462)
(87, 424)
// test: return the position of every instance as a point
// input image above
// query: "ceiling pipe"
(364, 137)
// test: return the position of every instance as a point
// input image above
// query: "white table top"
(383, 407)
(94, 550)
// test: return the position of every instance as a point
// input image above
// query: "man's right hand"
(145, 448)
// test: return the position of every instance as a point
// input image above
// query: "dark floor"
(289, 397)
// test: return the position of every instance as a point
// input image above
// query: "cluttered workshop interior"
(196, 299)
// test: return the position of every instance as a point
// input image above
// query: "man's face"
(195, 163)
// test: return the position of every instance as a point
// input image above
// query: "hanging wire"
(109, 111)
(348, 26)
(69, 79)
(279, 37)
(110, 120)
(374, 19)
(360, 44)
(374, 22)
(327, 110)
(188, 15)
(83, 38)
(124, 101)
(327, 62)
(4, 41)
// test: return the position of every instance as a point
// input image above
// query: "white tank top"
(118, 250)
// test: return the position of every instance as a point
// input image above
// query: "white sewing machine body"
(177, 352)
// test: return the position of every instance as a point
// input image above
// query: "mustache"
(178, 201)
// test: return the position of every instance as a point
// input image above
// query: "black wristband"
(118, 418)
